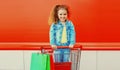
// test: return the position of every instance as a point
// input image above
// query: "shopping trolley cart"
(74, 60)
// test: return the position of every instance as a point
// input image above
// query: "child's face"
(62, 15)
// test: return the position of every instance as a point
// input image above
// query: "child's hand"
(71, 46)
(54, 47)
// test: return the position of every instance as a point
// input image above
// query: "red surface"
(100, 48)
(48, 48)
(52, 67)
(26, 20)
(63, 66)
(32, 47)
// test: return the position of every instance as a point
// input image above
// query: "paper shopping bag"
(51, 63)
(48, 63)
(40, 61)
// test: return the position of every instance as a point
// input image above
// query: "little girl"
(62, 32)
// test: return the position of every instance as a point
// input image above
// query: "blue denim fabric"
(62, 55)
(55, 39)
(56, 34)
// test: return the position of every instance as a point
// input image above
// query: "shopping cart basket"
(74, 60)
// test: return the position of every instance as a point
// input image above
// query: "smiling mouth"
(62, 18)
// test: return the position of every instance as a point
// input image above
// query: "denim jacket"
(56, 33)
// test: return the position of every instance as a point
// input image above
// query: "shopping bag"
(48, 62)
(51, 63)
(40, 61)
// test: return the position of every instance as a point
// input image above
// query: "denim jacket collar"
(59, 22)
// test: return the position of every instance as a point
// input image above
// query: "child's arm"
(52, 36)
(72, 35)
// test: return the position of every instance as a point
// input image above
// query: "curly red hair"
(53, 18)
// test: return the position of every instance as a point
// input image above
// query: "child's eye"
(65, 14)
(60, 14)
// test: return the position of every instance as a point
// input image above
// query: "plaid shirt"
(56, 34)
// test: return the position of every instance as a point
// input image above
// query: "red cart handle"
(49, 49)
(62, 47)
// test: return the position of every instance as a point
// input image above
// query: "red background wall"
(26, 20)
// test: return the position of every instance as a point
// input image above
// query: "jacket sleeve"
(72, 34)
(52, 34)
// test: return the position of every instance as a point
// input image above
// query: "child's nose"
(63, 16)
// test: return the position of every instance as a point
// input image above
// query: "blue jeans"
(62, 55)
